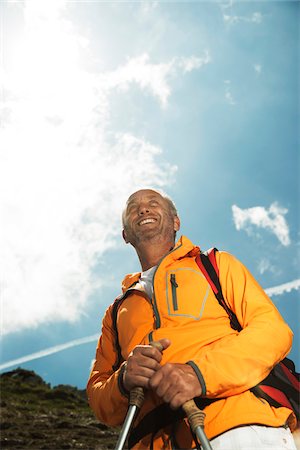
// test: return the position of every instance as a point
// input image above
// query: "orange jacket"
(226, 362)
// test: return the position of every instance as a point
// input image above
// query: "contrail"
(276, 290)
(49, 351)
(286, 287)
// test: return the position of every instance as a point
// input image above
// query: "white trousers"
(255, 437)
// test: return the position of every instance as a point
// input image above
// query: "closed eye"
(131, 207)
(153, 203)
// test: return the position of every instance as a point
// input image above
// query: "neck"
(151, 253)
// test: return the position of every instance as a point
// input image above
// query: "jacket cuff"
(121, 386)
(199, 376)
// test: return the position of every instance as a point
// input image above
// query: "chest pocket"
(186, 291)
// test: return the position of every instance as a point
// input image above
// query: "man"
(170, 301)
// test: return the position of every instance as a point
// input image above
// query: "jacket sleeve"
(104, 389)
(239, 361)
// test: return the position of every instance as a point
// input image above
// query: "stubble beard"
(155, 236)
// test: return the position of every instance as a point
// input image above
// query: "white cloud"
(193, 62)
(227, 5)
(265, 265)
(148, 7)
(65, 172)
(230, 19)
(257, 68)
(152, 77)
(228, 94)
(256, 17)
(271, 219)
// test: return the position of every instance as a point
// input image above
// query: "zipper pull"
(174, 293)
(173, 280)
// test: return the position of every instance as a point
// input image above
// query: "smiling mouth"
(145, 221)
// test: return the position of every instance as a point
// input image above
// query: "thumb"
(161, 344)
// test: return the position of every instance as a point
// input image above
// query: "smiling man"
(150, 223)
(170, 301)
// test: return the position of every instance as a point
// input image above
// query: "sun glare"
(62, 183)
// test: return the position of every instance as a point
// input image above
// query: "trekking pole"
(136, 399)
(196, 420)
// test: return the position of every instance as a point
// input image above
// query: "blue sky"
(99, 99)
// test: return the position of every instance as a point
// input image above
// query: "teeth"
(147, 221)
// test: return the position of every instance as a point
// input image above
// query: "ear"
(176, 223)
(124, 236)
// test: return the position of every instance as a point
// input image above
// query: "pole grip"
(136, 397)
(194, 414)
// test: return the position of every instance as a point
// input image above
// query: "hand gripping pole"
(194, 414)
(136, 400)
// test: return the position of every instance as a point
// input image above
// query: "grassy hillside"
(36, 416)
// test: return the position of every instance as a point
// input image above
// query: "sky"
(99, 99)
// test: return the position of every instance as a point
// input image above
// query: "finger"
(156, 379)
(146, 369)
(167, 379)
(167, 390)
(134, 362)
(137, 376)
(174, 393)
(135, 381)
(148, 351)
(178, 400)
(171, 393)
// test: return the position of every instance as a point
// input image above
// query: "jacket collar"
(183, 247)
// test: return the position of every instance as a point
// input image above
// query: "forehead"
(144, 195)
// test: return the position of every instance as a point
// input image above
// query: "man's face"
(148, 215)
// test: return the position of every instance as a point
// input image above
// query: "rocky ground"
(36, 416)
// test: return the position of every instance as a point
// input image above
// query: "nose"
(143, 209)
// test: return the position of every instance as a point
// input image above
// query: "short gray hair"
(170, 202)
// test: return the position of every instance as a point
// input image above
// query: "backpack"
(282, 386)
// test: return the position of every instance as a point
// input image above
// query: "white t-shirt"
(146, 281)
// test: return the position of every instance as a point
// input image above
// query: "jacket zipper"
(174, 291)
(154, 305)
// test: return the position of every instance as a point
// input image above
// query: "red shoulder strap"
(208, 266)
